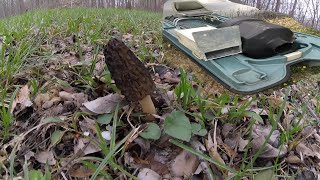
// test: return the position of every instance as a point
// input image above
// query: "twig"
(313, 113)
(128, 116)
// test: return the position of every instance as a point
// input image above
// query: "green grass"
(22, 37)
(22, 41)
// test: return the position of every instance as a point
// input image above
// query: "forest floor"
(62, 117)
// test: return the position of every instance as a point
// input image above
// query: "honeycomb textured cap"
(128, 72)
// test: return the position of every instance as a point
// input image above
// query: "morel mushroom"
(130, 75)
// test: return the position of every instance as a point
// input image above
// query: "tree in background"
(305, 11)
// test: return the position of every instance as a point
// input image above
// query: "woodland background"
(305, 11)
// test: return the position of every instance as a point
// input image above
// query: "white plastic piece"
(293, 56)
(188, 32)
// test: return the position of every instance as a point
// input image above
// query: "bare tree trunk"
(2, 9)
(22, 6)
(268, 4)
(293, 8)
(259, 4)
(277, 7)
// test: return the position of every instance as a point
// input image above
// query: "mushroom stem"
(147, 105)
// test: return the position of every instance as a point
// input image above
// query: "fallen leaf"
(70, 59)
(229, 150)
(41, 98)
(242, 144)
(226, 129)
(254, 116)
(56, 137)
(264, 130)
(22, 99)
(77, 98)
(51, 120)
(80, 98)
(266, 174)
(81, 143)
(65, 96)
(304, 150)
(169, 97)
(99, 67)
(306, 175)
(293, 159)
(184, 165)
(46, 156)
(317, 137)
(143, 144)
(213, 151)
(47, 105)
(148, 174)
(104, 104)
(269, 151)
(127, 37)
(80, 171)
(27, 155)
(88, 124)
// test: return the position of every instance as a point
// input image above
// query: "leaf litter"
(72, 119)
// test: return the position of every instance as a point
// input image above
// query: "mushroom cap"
(128, 72)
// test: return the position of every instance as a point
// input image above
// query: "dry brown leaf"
(275, 101)
(213, 151)
(104, 104)
(79, 171)
(28, 155)
(304, 150)
(262, 130)
(169, 97)
(41, 99)
(80, 98)
(88, 124)
(226, 129)
(81, 143)
(242, 144)
(65, 96)
(70, 59)
(293, 159)
(216, 156)
(317, 137)
(316, 150)
(148, 174)
(306, 175)
(47, 105)
(99, 67)
(46, 156)
(143, 144)
(22, 99)
(77, 98)
(184, 165)
(127, 37)
(229, 150)
(269, 151)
